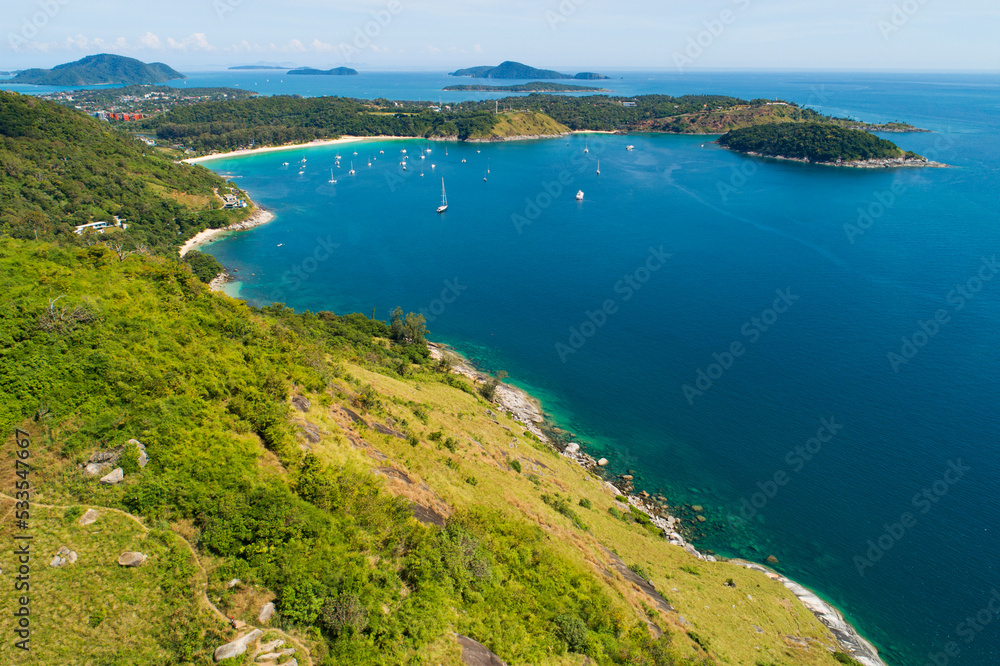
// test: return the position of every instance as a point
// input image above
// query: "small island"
(102, 69)
(533, 87)
(821, 143)
(516, 70)
(336, 71)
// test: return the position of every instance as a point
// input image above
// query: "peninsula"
(533, 87)
(516, 70)
(820, 143)
(100, 69)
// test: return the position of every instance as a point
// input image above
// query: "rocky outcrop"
(266, 612)
(89, 517)
(237, 647)
(131, 559)
(143, 457)
(475, 653)
(301, 403)
(116, 476)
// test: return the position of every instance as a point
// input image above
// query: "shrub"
(515, 465)
(344, 614)
(571, 630)
(585, 503)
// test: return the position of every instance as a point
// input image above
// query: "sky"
(574, 35)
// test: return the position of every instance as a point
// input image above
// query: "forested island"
(820, 143)
(516, 70)
(534, 86)
(336, 71)
(321, 477)
(99, 70)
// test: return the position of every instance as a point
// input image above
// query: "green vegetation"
(816, 142)
(515, 70)
(534, 86)
(60, 169)
(204, 266)
(98, 70)
(263, 428)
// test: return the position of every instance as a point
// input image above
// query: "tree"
(489, 388)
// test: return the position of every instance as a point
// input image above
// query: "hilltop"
(324, 463)
(516, 70)
(99, 70)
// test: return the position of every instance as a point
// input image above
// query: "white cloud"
(194, 42)
(321, 46)
(151, 41)
(295, 46)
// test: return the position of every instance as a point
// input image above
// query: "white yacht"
(444, 199)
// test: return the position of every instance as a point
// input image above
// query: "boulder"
(301, 403)
(702, 519)
(266, 612)
(143, 458)
(697, 508)
(475, 653)
(57, 561)
(602, 462)
(96, 469)
(274, 656)
(572, 447)
(771, 559)
(233, 583)
(131, 559)
(273, 645)
(237, 647)
(627, 477)
(89, 517)
(116, 476)
(71, 557)
(63, 550)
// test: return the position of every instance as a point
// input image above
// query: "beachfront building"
(230, 202)
(99, 227)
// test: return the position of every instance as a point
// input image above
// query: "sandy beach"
(295, 146)
(259, 217)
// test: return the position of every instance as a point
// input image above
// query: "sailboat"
(332, 179)
(444, 199)
(351, 172)
(598, 167)
(579, 195)
(487, 165)
(586, 147)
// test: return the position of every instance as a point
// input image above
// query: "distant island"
(820, 143)
(336, 71)
(534, 86)
(99, 70)
(516, 70)
(259, 67)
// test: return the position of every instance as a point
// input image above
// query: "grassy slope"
(173, 384)
(518, 123)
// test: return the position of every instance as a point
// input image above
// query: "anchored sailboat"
(444, 199)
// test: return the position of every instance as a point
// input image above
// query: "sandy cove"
(528, 411)
(296, 146)
(259, 217)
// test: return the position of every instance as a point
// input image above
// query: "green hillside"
(99, 70)
(321, 462)
(60, 169)
(815, 142)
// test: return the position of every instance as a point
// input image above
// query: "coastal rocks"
(602, 462)
(143, 457)
(131, 559)
(697, 508)
(572, 447)
(89, 517)
(266, 612)
(115, 477)
(771, 559)
(237, 647)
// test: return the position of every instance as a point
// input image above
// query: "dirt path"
(204, 574)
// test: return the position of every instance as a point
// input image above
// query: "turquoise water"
(761, 264)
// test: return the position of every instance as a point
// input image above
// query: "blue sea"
(810, 353)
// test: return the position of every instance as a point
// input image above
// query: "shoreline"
(527, 410)
(206, 236)
(293, 146)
